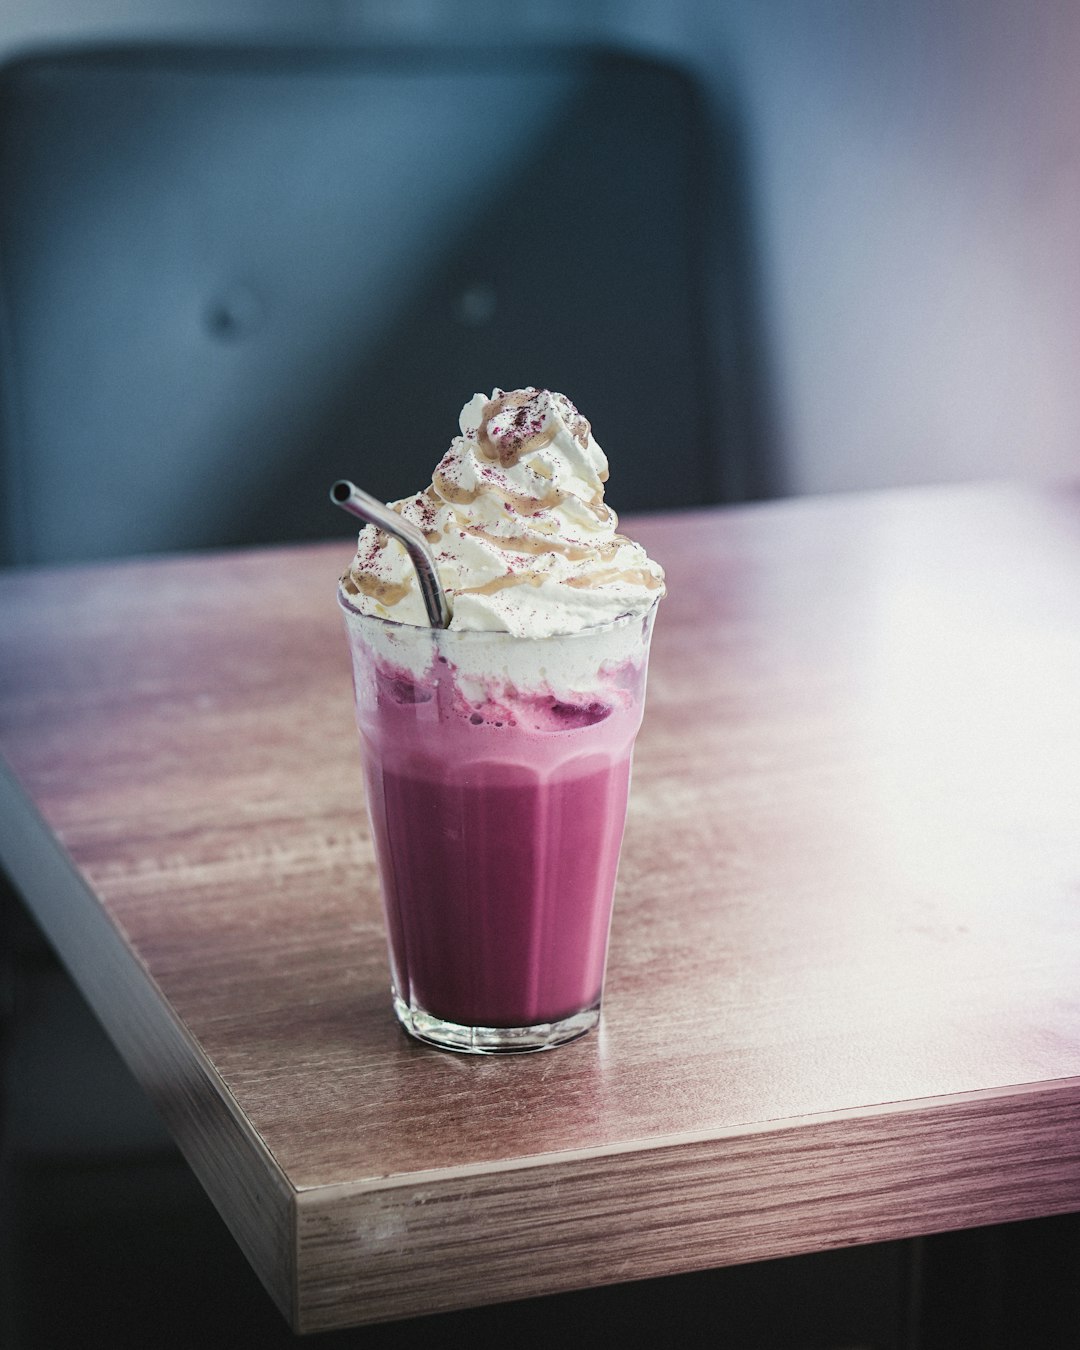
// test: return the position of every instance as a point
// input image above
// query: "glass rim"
(494, 634)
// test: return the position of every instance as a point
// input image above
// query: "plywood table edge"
(739, 1129)
(430, 1242)
(230, 1159)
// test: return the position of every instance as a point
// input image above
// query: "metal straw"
(368, 508)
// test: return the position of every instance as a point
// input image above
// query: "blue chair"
(232, 275)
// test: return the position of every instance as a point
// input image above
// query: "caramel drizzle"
(501, 583)
(458, 495)
(632, 576)
(454, 492)
(520, 543)
(511, 450)
(375, 588)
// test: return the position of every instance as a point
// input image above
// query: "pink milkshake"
(497, 751)
(498, 815)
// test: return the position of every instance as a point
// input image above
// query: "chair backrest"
(229, 277)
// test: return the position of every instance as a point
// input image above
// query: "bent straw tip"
(350, 498)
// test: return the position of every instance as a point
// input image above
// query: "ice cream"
(515, 515)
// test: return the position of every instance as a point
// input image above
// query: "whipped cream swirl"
(516, 518)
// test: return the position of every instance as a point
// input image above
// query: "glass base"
(493, 1040)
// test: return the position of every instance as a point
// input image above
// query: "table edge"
(231, 1160)
(845, 1179)
(1069, 1084)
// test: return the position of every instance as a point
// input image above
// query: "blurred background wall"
(908, 263)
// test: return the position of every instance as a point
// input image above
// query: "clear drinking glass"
(497, 770)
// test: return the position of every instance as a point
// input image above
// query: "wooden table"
(844, 983)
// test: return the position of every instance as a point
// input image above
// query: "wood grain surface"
(843, 998)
